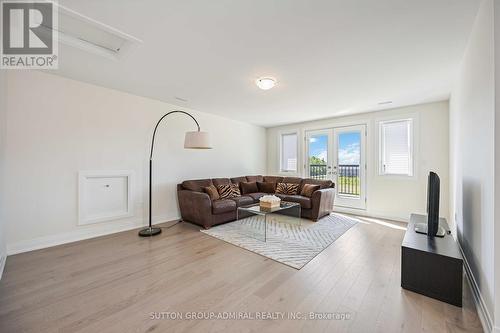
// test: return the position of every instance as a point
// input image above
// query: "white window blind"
(289, 152)
(396, 147)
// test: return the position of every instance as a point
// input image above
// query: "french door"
(338, 154)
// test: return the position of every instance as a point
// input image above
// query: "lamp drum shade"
(197, 140)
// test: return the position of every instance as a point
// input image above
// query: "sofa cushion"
(228, 191)
(273, 179)
(322, 183)
(220, 181)
(303, 201)
(196, 185)
(238, 180)
(266, 187)
(223, 206)
(308, 190)
(287, 188)
(256, 196)
(248, 187)
(257, 178)
(212, 192)
(243, 200)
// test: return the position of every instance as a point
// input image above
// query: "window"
(396, 147)
(289, 152)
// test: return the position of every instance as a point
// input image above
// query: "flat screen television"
(432, 227)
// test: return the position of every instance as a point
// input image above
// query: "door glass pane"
(318, 156)
(349, 156)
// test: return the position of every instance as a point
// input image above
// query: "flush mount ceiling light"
(265, 83)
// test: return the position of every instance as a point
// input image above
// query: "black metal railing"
(317, 171)
(348, 181)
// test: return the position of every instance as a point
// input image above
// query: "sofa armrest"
(195, 207)
(322, 203)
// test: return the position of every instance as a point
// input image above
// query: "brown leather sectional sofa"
(197, 207)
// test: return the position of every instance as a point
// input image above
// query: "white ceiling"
(330, 57)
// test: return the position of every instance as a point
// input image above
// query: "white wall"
(472, 133)
(390, 197)
(497, 163)
(3, 113)
(57, 126)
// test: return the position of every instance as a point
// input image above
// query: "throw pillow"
(250, 187)
(235, 189)
(309, 189)
(228, 191)
(266, 187)
(225, 191)
(287, 188)
(212, 192)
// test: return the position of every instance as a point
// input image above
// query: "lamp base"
(149, 231)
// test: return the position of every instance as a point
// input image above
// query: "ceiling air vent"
(92, 36)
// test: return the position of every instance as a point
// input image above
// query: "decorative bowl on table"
(269, 201)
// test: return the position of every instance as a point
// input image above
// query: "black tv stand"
(431, 266)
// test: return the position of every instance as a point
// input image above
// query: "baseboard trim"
(482, 310)
(81, 234)
(3, 260)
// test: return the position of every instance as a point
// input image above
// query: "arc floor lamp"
(193, 140)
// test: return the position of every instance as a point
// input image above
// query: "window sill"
(398, 177)
(289, 173)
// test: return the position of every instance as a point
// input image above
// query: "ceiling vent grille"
(82, 32)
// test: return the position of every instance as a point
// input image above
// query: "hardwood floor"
(115, 283)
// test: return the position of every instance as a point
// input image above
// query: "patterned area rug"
(287, 242)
